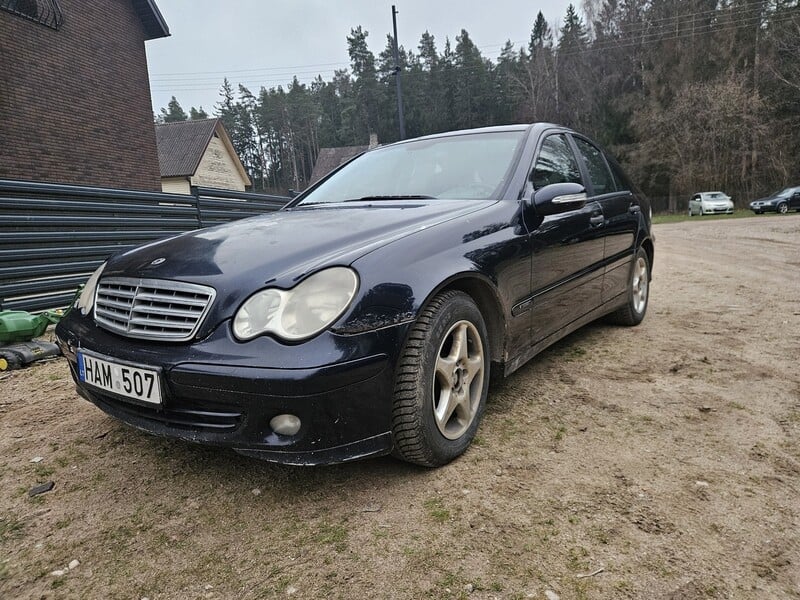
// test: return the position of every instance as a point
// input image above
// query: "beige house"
(198, 152)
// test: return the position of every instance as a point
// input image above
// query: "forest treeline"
(690, 95)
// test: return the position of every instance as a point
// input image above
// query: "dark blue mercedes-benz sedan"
(366, 316)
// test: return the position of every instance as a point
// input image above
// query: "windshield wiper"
(404, 197)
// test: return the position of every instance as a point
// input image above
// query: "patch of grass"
(436, 510)
(736, 405)
(58, 582)
(684, 216)
(577, 558)
(10, 528)
(623, 585)
(560, 432)
(449, 580)
(600, 534)
(581, 589)
(4, 571)
(332, 535)
(43, 471)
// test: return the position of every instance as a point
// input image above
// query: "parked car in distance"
(366, 317)
(780, 202)
(710, 203)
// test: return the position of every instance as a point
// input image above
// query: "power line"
(625, 41)
(645, 25)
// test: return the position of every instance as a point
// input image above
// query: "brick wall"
(75, 103)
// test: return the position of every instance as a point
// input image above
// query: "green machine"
(17, 329)
(21, 326)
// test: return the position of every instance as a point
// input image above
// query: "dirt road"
(666, 455)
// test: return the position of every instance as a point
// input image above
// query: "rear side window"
(555, 164)
(602, 182)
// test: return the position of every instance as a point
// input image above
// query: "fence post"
(196, 193)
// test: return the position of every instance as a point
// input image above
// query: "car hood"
(280, 248)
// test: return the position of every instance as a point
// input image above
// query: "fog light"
(285, 424)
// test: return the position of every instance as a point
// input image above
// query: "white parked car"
(710, 203)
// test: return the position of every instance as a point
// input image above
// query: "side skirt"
(593, 315)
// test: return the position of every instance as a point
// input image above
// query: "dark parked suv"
(367, 315)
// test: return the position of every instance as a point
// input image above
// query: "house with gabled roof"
(330, 159)
(198, 152)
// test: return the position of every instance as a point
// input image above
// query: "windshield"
(470, 166)
(785, 193)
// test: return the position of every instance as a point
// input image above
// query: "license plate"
(132, 382)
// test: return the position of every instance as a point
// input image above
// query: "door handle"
(597, 220)
(634, 209)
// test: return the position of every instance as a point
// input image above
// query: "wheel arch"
(647, 245)
(484, 293)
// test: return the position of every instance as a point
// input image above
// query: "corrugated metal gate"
(53, 236)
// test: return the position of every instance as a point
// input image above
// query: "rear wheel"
(783, 208)
(442, 382)
(635, 308)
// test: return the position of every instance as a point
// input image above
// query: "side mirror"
(558, 198)
(293, 194)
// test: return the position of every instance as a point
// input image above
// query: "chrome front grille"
(154, 309)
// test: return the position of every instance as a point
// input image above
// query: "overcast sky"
(260, 43)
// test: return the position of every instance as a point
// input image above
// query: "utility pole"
(400, 116)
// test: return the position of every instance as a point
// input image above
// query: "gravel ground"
(661, 461)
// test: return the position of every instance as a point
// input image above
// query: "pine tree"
(362, 118)
(195, 113)
(541, 36)
(173, 112)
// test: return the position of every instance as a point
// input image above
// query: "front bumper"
(223, 392)
(717, 210)
(761, 208)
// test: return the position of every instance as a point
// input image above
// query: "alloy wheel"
(640, 285)
(458, 380)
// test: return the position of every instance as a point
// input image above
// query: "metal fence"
(53, 236)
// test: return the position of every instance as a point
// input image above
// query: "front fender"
(485, 254)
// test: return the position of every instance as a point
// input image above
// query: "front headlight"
(301, 312)
(85, 301)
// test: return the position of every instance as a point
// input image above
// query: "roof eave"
(153, 21)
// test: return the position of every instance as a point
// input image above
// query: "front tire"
(783, 208)
(638, 292)
(442, 382)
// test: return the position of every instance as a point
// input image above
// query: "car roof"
(493, 129)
